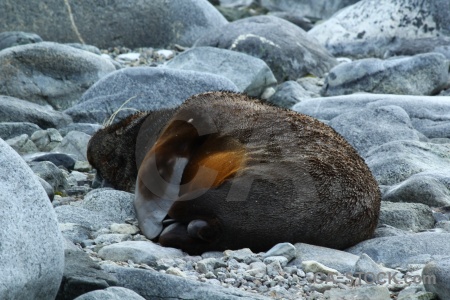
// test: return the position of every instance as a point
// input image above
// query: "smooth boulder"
(394, 251)
(289, 93)
(422, 74)
(250, 74)
(429, 115)
(146, 23)
(385, 28)
(371, 127)
(50, 73)
(129, 90)
(17, 110)
(31, 252)
(429, 187)
(287, 49)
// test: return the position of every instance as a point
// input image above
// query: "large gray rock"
(15, 38)
(154, 285)
(396, 161)
(147, 89)
(394, 251)
(430, 187)
(17, 110)
(155, 23)
(406, 216)
(422, 74)
(371, 127)
(250, 74)
(372, 28)
(31, 252)
(286, 48)
(140, 252)
(50, 73)
(339, 260)
(82, 275)
(428, 115)
(111, 293)
(318, 9)
(436, 277)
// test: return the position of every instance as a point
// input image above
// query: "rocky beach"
(377, 72)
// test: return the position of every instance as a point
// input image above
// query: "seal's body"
(232, 172)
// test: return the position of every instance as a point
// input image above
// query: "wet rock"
(58, 159)
(289, 93)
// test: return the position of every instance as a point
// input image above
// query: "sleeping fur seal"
(232, 172)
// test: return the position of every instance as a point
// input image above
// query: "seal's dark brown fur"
(233, 172)
(114, 152)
